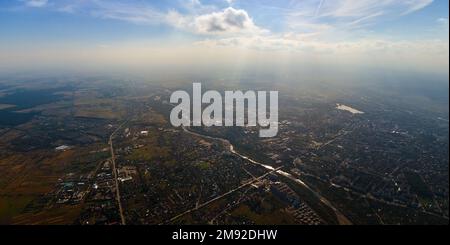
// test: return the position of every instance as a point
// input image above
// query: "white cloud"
(230, 20)
(442, 21)
(36, 3)
(306, 16)
(306, 38)
(225, 22)
(310, 23)
(293, 50)
(230, 2)
(309, 44)
(195, 17)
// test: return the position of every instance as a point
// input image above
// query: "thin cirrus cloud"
(191, 16)
(312, 15)
(345, 8)
(195, 16)
(126, 12)
(324, 30)
(36, 3)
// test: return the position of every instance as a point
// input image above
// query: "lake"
(25, 99)
(348, 108)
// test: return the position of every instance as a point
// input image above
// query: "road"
(220, 197)
(113, 162)
(341, 217)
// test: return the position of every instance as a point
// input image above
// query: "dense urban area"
(101, 151)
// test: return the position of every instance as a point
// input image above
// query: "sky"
(229, 35)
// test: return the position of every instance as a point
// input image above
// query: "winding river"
(340, 217)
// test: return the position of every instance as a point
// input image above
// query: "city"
(124, 163)
(224, 120)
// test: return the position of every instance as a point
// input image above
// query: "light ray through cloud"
(350, 32)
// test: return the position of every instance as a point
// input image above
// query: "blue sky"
(395, 18)
(305, 27)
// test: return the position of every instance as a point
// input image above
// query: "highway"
(340, 217)
(114, 169)
(220, 197)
